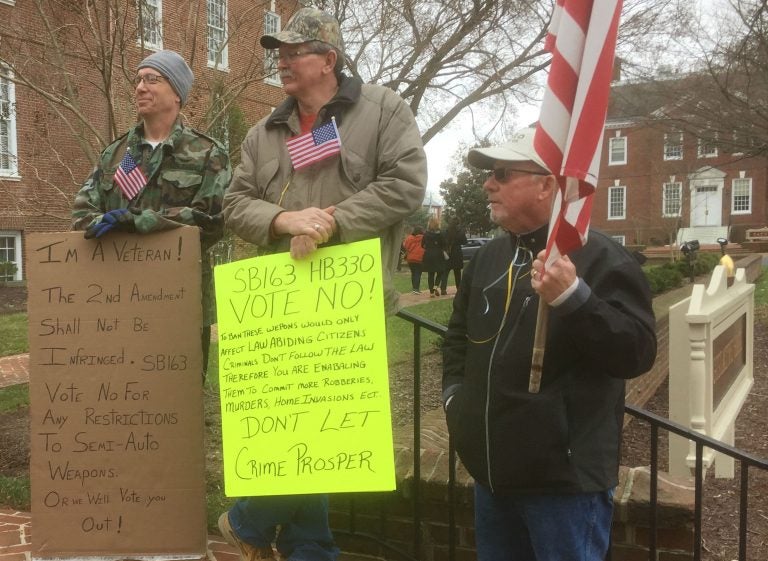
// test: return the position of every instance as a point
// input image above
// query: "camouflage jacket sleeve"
(187, 176)
(90, 201)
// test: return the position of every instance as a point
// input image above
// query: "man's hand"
(315, 223)
(555, 280)
(302, 246)
(118, 219)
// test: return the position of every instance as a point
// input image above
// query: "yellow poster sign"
(303, 373)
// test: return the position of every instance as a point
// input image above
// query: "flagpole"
(542, 325)
(539, 343)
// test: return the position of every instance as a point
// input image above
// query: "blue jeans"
(542, 527)
(303, 519)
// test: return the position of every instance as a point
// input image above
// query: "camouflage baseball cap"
(308, 24)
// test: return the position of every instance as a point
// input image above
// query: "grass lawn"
(13, 334)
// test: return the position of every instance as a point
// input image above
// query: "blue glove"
(119, 219)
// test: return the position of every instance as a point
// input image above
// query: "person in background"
(362, 187)
(435, 255)
(454, 239)
(414, 254)
(545, 464)
(161, 174)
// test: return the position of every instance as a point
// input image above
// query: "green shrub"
(663, 277)
(670, 275)
(7, 270)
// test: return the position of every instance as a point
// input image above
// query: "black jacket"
(566, 438)
(434, 251)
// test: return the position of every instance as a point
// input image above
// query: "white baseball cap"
(519, 148)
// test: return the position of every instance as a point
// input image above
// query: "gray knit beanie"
(172, 66)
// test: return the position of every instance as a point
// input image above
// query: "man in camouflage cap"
(308, 24)
(161, 174)
(363, 191)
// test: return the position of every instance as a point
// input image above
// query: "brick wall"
(645, 173)
(56, 151)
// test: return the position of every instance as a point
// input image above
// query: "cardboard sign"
(303, 373)
(116, 417)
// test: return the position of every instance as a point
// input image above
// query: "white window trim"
(664, 186)
(19, 257)
(733, 196)
(667, 157)
(274, 79)
(13, 149)
(702, 154)
(223, 63)
(623, 189)
(619, 239)
(611, 161)
(147, 45)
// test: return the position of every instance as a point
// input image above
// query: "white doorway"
(706, 206)
(706, 190)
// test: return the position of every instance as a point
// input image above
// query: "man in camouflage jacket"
(186, 172)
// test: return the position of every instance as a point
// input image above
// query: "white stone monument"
(711, 336)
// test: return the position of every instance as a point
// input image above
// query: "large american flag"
(129, 177)
(315, 145)
(569, 136)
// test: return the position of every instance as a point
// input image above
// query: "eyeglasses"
(501, 174)
(148, 79)
(293, 55)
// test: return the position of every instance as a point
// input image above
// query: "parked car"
(469, 249)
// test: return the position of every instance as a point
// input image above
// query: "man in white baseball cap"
(545, 464)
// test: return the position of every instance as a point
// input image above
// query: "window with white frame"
(672, 198)
(10, 251)
(151, 23)
(617, 202)
(707, 147)
(271, 25)
(621, 240)
(741, 198)
(218, 55)
(8, 155)
(617, 150)
(673, 145)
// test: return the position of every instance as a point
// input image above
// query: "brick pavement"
(14, 370)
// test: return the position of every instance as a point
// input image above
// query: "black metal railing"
(656, 423)
(746, 461)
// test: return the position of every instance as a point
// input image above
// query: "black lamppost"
(689, 250)
(723, 242)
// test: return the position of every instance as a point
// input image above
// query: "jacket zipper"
(488, 387)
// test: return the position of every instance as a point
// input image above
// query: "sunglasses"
(501, 174)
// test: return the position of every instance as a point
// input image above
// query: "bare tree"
(715, 85)
(73, 63)
(482, 56)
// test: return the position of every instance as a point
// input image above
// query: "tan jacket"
(378, 179)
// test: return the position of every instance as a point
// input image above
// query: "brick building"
(664, 179)
(65, 90)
